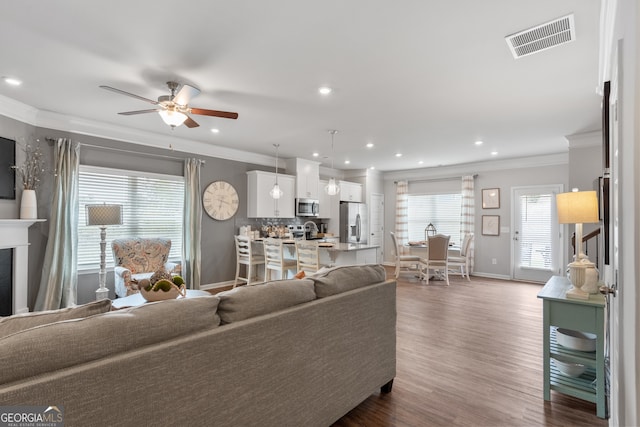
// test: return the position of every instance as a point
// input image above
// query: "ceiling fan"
(174, 108)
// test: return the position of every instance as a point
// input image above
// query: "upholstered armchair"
(137, 259)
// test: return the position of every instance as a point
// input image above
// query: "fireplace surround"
(14, 234)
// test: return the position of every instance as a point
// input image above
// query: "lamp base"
(102, 293)
(576, 293)
(584, 278)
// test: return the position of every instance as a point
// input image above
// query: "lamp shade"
(577, 207)
(104, 214)
(172, 117)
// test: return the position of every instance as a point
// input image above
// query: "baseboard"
(208, 286)
(491, 276)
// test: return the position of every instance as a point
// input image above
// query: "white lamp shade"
(172, 117)
(332, 188)
(104, 214)
(577, 207)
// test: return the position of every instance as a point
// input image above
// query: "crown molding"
(585, 139)
(439, 172)
(50, 120)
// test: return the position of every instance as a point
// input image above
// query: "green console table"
(580, 315)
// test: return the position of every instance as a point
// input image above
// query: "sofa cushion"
(20, 322)
(245, 302)
(345, 278)
(58, 345)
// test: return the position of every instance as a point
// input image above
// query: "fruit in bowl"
(162, 289)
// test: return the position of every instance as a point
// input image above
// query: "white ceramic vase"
(28, 205)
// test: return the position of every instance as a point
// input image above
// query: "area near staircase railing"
(588, 242)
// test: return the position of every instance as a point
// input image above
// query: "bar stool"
(246, 256)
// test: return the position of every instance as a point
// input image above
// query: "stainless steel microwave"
(307, 207)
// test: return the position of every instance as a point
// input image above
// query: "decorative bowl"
(160, 295)
(576, 340)
(568, 368)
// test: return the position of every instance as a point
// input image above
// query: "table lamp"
(579, 207)
(103, 215)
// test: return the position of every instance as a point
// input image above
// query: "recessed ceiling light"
(478, 142)
(369, 144)
(494, 153)
(215, 130)
(346, 162)
(398, 154)
(11, 81)
(324, 90)
(420, 162)
(316, 154)
(372, 167)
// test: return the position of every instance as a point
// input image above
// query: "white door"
(376, 223)
(536, 236)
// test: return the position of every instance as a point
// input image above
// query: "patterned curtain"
(402, 211)
(467, 219)
(192, 227)
(59, 280)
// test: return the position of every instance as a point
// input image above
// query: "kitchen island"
(334, 253)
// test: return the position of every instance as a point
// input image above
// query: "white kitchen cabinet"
(307, 175)
(329, 209)
(260, 204)
(350, 191)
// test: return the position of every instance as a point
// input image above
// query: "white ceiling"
(420, 77)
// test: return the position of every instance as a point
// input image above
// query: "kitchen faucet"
(315, 227)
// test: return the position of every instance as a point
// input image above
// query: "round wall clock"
(220, 200)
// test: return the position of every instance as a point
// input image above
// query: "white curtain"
(467, 219)
(192, 227)
(402, 211)
(59, 280)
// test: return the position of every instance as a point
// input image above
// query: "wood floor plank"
(469, 354)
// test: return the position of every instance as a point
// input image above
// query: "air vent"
(542, 37)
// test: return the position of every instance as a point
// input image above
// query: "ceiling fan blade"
(214, 113)
(190, 123)
(131, 113)
(122, 92)
(186, 94)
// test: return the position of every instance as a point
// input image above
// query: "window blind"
(536, 228)
(152, 206)
(442, 210)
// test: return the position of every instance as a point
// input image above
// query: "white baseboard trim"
(491, 276)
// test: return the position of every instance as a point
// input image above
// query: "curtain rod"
(445, 178)
(122, 150)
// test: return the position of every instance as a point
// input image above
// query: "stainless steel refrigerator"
(354, 222)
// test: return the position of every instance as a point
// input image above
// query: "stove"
(297, 231)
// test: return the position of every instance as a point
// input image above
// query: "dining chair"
(463, 261)
(437, 259)
(308, 256)
(274, 259)
(403, 261)
(245, 255)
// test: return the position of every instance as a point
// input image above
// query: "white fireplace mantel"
(14, 234)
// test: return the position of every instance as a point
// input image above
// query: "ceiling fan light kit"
(174, 109)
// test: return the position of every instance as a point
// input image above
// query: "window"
(152, 206)
(442, 210)
(536, 231)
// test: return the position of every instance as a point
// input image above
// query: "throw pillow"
(245, 302)
(20, 322)
(300, 275)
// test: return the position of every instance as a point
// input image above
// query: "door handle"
(605, 290)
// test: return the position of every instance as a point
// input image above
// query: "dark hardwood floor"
(469, 355)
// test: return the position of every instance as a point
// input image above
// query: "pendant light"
(332, 188)
(276, 192)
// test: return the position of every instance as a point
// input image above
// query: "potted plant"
(30, 174)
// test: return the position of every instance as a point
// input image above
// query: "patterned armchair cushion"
(138, 258)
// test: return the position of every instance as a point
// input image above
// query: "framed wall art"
(7, 174)
(490, 198)
(490, 225)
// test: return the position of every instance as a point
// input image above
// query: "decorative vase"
(28, 205)
(159, 295)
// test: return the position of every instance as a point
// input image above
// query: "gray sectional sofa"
(283, 353)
